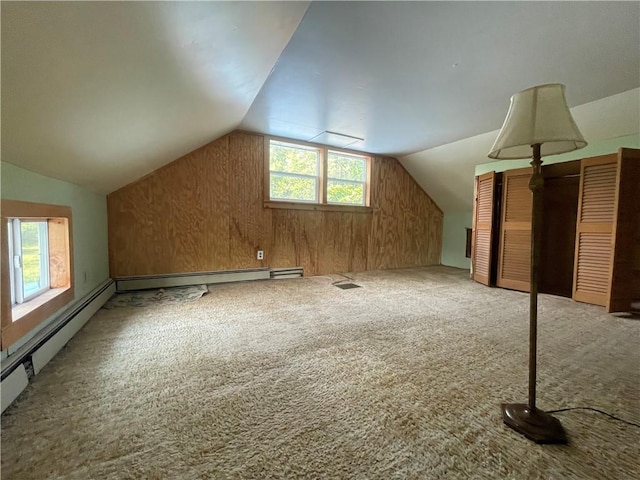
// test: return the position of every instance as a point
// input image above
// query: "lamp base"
(534, 424)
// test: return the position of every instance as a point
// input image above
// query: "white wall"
(454, 239)
(89, 225)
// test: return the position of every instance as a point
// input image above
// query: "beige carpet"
(400, 379)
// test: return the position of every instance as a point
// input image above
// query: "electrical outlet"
(260, 255)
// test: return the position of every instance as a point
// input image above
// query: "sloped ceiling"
(100, 94)
(408, 76)
(447, 171)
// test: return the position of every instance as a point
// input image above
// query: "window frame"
(321, 204)
(317, 178)
(365, 183)
(19, 319)
(19, 294)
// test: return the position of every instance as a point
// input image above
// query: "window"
(346, 178)
(294, 172)
(300, 175)
(37, 278)
(28, 259)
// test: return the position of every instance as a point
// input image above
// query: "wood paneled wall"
(205, 212)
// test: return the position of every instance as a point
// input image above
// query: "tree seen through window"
(296, 174)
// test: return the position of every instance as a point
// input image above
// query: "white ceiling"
(447, 171)
(100, 94)
(407, 76)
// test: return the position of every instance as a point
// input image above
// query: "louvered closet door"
(594, 230)
(483, 227)
(514, 261)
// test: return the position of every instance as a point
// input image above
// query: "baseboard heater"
(43, 347)
(124, 284)
(294, 272)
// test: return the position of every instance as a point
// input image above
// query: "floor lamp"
(538, 123)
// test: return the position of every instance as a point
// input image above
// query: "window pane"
(33, 253)
(291, 159)
(288, 187)
(345, 192)
(346, 167)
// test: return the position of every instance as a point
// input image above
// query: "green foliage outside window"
(30, 252)
(299, 173)
(293, 188)
(295, 175)
(346, 167)
(293, 160)
(31, 265)
(338, 192)
(350, 169)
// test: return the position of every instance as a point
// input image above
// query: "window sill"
(19, 311)
(318, 207)
(29, 315)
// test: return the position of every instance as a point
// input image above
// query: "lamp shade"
(538, 115)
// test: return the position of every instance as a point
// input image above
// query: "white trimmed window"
(29, 257)
(37, 259)
(294, 172)
(346, 179)
(317, 175)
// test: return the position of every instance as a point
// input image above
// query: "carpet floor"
(399, 379)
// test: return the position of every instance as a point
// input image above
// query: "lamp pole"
(534, 424)
(536, 185)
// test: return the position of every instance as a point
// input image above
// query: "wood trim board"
(59, 221)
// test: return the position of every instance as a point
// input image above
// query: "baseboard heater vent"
(294, 272)
(37, 352)
(124, 284)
